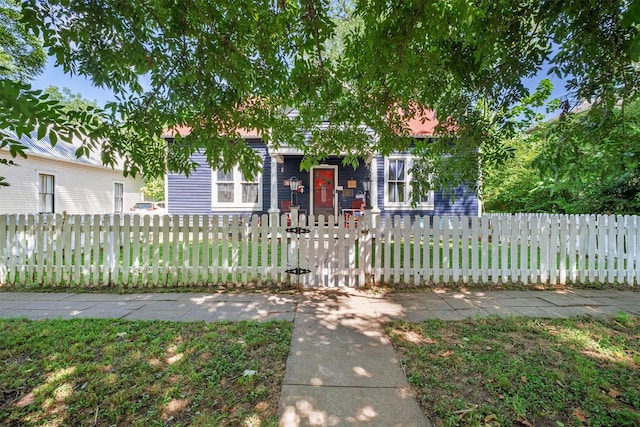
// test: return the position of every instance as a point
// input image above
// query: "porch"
(329, 189)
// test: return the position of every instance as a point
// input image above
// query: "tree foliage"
(572, 165)
(25, 111)
(154, 188)
(218, 67)
(21, 54)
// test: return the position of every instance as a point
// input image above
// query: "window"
(225, 186)
(397, 181)
(118, 197)
(398, 187)
(231, 189)
(46, 193)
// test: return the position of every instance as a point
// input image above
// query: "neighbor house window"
(118, 197)
(397, 181)
(232, 190)
(46, 193)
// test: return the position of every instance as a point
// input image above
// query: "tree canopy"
(24, 110)
(21, 55)
(221, 66)
(571, 165)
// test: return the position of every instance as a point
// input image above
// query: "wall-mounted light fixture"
(294, 183)
(366, 185)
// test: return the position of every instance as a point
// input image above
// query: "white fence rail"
(134, 251)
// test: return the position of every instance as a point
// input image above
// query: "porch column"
(273, 208)
(373, 169)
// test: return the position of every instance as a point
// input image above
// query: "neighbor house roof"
(60, 151)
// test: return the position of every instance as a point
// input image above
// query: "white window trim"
(408, 158)
(123, 196)
(237, 205)
(55, 188)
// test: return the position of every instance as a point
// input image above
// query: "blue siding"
(192, 194)
(464, 203)
(291, 167)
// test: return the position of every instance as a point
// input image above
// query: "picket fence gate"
(134, 251)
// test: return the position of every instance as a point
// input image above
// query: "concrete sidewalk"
(149, 306)
(341, 369)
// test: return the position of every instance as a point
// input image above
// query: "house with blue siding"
(326, 189)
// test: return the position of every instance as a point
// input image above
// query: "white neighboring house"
(53, 180)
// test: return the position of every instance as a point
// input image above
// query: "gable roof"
(60, 151)
(421, 125)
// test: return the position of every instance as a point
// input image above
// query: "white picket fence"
(133, 251)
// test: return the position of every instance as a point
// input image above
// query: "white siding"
(79, 188)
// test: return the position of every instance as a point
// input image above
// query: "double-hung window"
(234, 191)
(46, 193)
(397, 181)
(118, 197)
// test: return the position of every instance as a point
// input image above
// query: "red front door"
(323, 181)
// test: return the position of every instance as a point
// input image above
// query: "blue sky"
(55, 76)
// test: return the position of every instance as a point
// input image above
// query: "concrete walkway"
(341, 370)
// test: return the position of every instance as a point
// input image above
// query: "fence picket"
(544, 249)
(30, 239)
(597, 248)
(276, 235)
(484, 222)
(635, 236)
(21, 243)
(534, 245)
(77, 250)
(437, 236)
(194, 267)
(264, 248)
(126, 250)
(464, 222)
(572, 252)
(115, 259)
(631, 239)
(583, 247)
(166, 257)
(475, 253)
(11, 255)
(427, 238)
(523, 267)
(514, 242)
(416, 237)
(350, 249)
(4, 248)
(621, 255)
(553, 250)
(501, 262)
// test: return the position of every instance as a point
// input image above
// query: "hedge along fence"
(150, 251)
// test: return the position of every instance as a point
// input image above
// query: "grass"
(126, 373)
(524, 372)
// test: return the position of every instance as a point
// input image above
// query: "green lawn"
(524, 372)
(141, 373)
